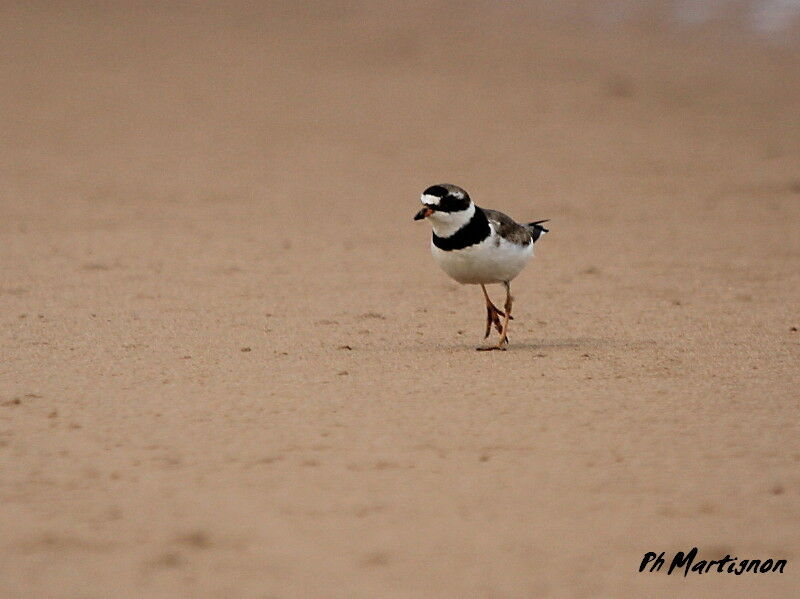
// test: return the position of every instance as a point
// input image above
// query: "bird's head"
(445, 205)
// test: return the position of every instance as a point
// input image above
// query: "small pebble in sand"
(376, 315)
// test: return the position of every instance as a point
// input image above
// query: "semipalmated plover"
(476, 246)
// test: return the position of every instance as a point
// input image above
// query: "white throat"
(445, 224)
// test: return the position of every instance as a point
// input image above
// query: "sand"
(229, 366)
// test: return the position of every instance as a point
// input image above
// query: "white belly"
(485, 262)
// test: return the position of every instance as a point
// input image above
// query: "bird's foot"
(498, 347)
(493, 316)
(501, 345)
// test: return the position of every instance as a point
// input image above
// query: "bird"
(477, 246)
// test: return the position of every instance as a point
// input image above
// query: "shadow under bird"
(476, 246)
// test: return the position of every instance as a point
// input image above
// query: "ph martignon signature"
(725, 565)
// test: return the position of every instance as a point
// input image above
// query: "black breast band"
(475, 231)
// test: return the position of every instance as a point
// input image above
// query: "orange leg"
(493, 314)
(493, 318)
(504, 333)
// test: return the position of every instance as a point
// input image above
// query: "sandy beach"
(229, 367)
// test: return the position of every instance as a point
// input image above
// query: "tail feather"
(536, 229)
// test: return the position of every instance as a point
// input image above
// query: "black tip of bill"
(422, 213)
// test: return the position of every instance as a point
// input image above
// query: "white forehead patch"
(432, 200)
